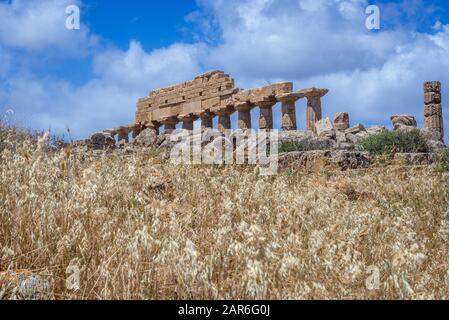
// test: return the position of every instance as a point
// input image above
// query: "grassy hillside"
(140, 228)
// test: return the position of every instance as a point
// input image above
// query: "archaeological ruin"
(214, 94)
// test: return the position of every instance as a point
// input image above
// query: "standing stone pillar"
(123, 134)
(314, 113)
(153, 125)
(224, 120)
(244, 110)
(288, 101)
(169, 125)
(266, 115)
(206, 120)
(433, 111)
(136, 130)
(187, 122)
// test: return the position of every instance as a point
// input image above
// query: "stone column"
(187, 122)
(123, 134)
(288, 101)
(153, 125)
(169, 124)
(206, 120)
(266, 115)
(224, 120)
(433, 111)
(136, 130)
(244, 110)
(314, 113)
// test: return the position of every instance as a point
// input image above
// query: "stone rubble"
(23, 285)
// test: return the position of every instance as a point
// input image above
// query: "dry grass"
(139, 229)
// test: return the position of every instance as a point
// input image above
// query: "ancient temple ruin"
(214, 94)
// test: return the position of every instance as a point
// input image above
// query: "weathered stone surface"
(303, 158)
(341, 121)
(403, 122)
(415, 159)
(341, 137)
(101, 141)
(314, 112)
(354, 138)
(375, 130)
(350, 160)
(342, 159)
(324, 128)
(436, 146)
(147, 138)
(356, 129)
(431, 134)
(290, 136)
(433, 110)
(266, 115)
(192, 97)
(23, 285)
(244, 110)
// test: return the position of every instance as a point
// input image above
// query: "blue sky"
(90, 79)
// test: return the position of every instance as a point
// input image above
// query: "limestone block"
(101, 141)
(375, 130)
(324, 127)
(341, 121)
(191, 108)
(432, 86)
(402, 121)
(356, 129)
(23, 285)
(147, 138)
(432, 98)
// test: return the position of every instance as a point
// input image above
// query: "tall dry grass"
(142, 229)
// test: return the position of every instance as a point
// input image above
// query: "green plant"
(443, 161)
(395, 142)
(307, 144)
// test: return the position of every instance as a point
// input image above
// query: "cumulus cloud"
(312, 43)
(109, 99)
(325, 43)
(39, 26)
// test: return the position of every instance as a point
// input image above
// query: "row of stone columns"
(122, 133)
(288, 102)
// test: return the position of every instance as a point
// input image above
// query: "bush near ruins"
(307, 144)
(395, 142)
(443, 162)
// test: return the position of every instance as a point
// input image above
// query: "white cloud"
(108, 100)
(139, 69)
(39, 26)
(312, 43)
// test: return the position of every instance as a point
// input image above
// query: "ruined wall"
(189, 98)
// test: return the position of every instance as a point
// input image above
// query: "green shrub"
(395, 142)
(307, 144)
(443, 162)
